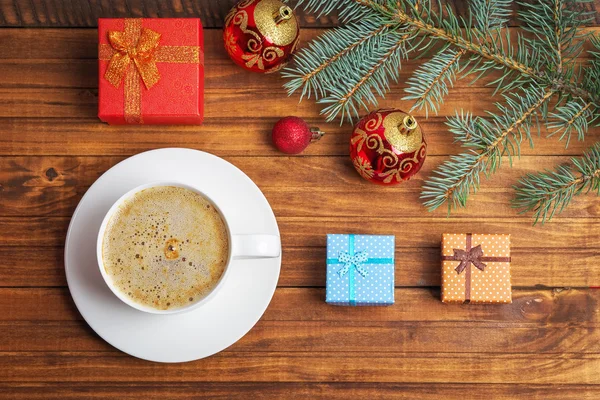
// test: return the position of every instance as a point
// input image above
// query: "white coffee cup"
(240, 246)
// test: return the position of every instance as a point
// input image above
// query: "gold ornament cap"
(276, 21)
(403, 132)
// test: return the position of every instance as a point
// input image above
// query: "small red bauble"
(260, 35)
(292, 135)
(387, 147)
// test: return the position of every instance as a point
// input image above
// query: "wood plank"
(60, 136)
(27, 266)
(219, 103)
(43, 13)
(580, 233)
(53, 186)
(533, 261)
(277, 391)
(539, 321)
(305, 367)
(305, 267)
(544, 308)
(220, 72)
(549, 267)
(290, 337)
(241, 103)
(82, 44)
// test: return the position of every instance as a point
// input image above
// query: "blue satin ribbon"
(351, 262)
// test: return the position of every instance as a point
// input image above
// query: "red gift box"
(151, 70)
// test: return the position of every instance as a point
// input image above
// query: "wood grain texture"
(579, 233)
(538, 321)
(258, 366)
(316, 391)
(53, 186)
(84, 13)
(545, 345)
(32, 266)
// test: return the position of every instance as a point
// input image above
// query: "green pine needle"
(432, 81)
(575, 115)
(548, 193)
(489, 140)
(537, 71)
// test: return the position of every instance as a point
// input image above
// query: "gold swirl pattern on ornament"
(230, 15)
(403, 142)
(423, 150)
(389, 161)
(271, 53)
(254, 45)
(245, 3)
(374, 123)
(374, 142)
(408, 163)
(280, 34)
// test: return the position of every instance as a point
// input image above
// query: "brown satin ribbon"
(140, 46)
(471, 255)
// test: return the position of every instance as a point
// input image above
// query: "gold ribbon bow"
(140, 51)
(142, 46)
(471, 256)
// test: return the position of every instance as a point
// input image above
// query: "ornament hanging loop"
(284, 13)
(316, 134)
(408, 125)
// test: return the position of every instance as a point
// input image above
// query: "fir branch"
(313, 70)
(343, 52)
(489, 141)
(490, 14)
(429, 84)
(519, 64)
(349, 10)
(453, 37)
(591, 79)
(549, 192)
(365, 77)
(348, 73)
(572, 116)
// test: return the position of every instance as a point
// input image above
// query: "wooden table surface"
(545, 345)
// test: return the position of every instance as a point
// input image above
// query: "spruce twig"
(348, 68)
(489, 142)
(549, 192)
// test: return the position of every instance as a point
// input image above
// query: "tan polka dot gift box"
(476, 268)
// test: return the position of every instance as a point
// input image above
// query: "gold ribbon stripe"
(170, 54)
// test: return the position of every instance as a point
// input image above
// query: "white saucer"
(199, 333)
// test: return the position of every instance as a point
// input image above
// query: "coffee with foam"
(165, 247)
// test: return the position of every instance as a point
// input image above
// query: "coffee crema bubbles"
(165, 247)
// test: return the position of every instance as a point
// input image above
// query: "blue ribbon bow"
(353, 261)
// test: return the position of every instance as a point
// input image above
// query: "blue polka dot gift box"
(360, 270)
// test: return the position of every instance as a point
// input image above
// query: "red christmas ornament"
(260, 35)
(292, 135)
(387, 147)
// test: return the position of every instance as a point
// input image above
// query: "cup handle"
(256, 246)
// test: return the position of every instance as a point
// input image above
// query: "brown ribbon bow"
(140, 45)
(472, 256)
